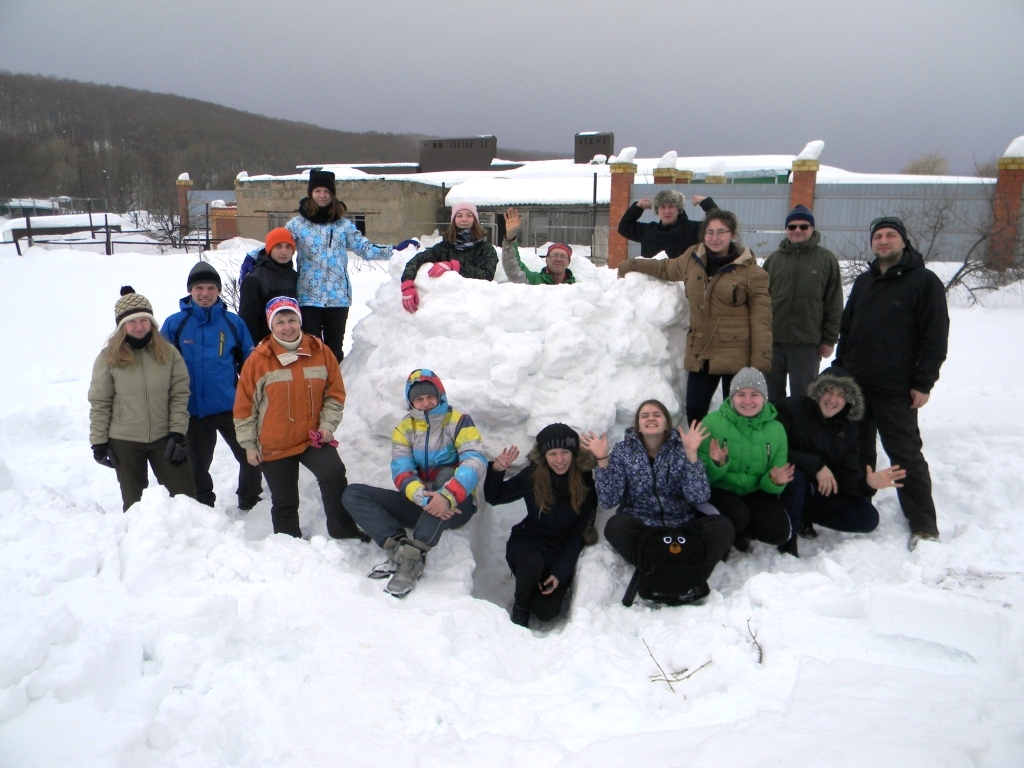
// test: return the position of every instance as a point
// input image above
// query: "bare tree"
(929, 164)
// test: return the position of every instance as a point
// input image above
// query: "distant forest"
(64, 137)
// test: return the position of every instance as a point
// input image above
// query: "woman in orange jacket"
(289, 402)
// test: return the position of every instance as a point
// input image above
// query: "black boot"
(520, 615)
(789, 548)
(807, 531)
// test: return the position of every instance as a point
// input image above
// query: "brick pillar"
(223, 223)
(664, 175)
(622, 191)
(801, 190)
(684, 177)
(184, 188)
(1006, 212)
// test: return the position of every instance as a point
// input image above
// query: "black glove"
(104, 455)
(175, 452)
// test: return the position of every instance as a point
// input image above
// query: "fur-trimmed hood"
(838, 379)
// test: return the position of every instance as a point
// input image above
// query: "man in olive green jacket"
(807, 303)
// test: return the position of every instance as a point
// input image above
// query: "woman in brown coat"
(730, 309)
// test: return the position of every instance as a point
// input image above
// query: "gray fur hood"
(841, 381)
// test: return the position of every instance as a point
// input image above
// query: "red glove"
(410, 298)
(444, 266)
(316, 439)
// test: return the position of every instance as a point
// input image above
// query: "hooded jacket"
(266, 280)
(321, 253)
(807, 293)
(655, 237)
(557, 532)
(816, 442)
(207, 338)
(756, 445)
(425, 442)
(277, 405)
(730, 313)
(894, 330)
(662, 494)
(478, 262)
(143, 402)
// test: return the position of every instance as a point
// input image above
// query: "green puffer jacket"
(807, 293)
(755, 446)
(143, 402)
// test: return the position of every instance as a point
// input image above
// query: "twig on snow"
(760, 650)
(672, 677)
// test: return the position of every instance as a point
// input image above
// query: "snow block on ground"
(936, 616)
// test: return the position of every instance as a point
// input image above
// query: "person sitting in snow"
(138, 404)
(323, 238)
(556, 271)
(655, 478)
(272, 275)
(745, 455)
(463, 249)
(215, 343)
(289, 403)
(558, 490)
(831, 485)
(437, 459)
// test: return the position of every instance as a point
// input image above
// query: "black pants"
(327, 323)
(624, 531)
(892, 417)
(853, 514)
(133, 462)
(200, 441)
(700, 389)
(283, 479)
(530, 571)
(757, 515)
(799, 361)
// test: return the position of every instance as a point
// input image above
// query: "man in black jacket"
(892, 338)
(673, 233)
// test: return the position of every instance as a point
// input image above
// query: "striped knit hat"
(131, 304)
(558, 436)
(282, 304)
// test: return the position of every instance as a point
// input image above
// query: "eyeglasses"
(718, 232)
(792, 227)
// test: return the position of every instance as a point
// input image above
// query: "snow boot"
(807, 531)
(520, 615)
(389, 566)
(918, 536)
(410, 567)
(790, 547)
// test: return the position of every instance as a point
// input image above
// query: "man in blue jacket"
(214, 343)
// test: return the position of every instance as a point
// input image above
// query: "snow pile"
(812, 151)
(178, 635)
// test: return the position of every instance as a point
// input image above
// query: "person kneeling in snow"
(437, 459)
(558, 490)
(556, 271)
(657, 480)
(830, 485)
(289, 403)
(463, 249)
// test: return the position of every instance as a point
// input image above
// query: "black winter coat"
(654, 237)
(894, 329)
(266, 281)
(557, 533)
(815, 442)
(478, 262)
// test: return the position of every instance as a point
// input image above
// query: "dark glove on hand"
(104, 455)
(175, 452)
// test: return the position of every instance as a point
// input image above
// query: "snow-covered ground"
(178, 635)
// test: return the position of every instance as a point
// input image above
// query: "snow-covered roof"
(67, 220)
(549, 191)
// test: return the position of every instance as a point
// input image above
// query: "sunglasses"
(792, 227)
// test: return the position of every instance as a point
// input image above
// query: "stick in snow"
(760, 650)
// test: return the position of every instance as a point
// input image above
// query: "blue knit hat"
(800, 213)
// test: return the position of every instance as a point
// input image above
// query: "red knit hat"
(278, 236)
(559, 247)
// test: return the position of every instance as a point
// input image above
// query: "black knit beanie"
(558, 436)
(203, 272)
(800, 213)
(890, 222)
(321, 179)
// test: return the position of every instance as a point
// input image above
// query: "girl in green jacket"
(745, 455)
(139, 404)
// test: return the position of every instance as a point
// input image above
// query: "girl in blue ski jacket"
(323, 238)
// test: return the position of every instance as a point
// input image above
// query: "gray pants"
(800, 361)
(387, 514)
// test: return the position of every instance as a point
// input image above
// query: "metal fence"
(944, 220)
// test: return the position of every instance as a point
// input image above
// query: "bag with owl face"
(670, 567)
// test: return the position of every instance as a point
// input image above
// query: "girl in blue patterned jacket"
(437, 460)
(323, 238)
(656, 478)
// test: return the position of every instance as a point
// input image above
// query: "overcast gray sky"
(880, 81)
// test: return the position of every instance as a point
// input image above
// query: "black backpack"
(670, 567)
